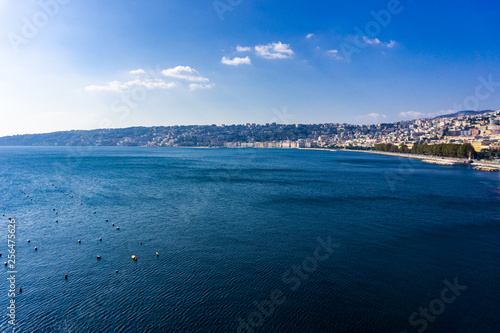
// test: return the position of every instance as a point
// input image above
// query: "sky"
(70, 64)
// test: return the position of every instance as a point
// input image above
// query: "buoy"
(29, 241)
(54, 209)
(20, 290)
(117, 228)
(134, 258)
(57, 221)
(98, 257)
(140, 243)
(100, 239)
(57, 212)
(94, 211)
(5, 263)
(116, 271)
(36, 249)
(79, 241)
(66, 276)
(113, 224)
(0, 254)
(157, 254)
(106, 220)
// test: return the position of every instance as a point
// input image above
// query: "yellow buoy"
(134, 258)
(157, 254)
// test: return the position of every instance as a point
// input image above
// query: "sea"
(245, 240)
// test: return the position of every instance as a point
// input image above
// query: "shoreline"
(439, 160)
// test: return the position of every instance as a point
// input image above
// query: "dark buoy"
(140, 243)
(57, 212)
(98, 257)
(116, 271)
(79, 241)
(113, 224)
(5, 263)
(36, 249)
(57, 221)
(20, 290)
(66, 276)
(100, 239)
(117, 228)
(29, 240)
(94, 211)
(106, 220)
(54, 209)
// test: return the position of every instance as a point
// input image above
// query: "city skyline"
(69, 65)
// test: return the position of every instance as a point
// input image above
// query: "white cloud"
(152, 84)
(236, 61)
(370, 117)
(310, 36)
(335, 54)
(195, 86)
(243, 48)
(111, 86)
(417, 115)
(376, 41)
(371, 41)
(443, 112)
(274, 51)
(117, 86)
(391, 44)
(137, 72)
(411, 114)
(184, 73)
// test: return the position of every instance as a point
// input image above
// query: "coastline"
(440, 160)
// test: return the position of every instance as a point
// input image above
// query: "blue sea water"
(339, 241)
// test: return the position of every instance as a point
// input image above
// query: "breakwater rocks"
(440, 162)
(485, 168)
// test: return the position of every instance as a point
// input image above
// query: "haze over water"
(229, 224)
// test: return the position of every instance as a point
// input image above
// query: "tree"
(466, 150)
(394, 149)
(404, 148)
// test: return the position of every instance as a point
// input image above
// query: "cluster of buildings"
(482, 130)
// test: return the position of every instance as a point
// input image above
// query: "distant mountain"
(463, 114)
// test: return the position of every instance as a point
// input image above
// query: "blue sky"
(69, 64)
